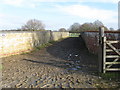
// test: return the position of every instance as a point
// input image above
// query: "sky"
(56, 14)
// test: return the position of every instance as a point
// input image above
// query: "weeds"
(41, 46)
(114, 76)
(110, 75)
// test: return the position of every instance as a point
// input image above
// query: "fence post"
(104, 53)
(102, 48)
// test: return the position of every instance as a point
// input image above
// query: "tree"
(62, 30)
(92, 26)
(87, 27)
(75, 27)
(98, 23)
(33, 24)
(111, 29)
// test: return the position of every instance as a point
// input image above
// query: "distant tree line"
(38, 25)
(76, 27)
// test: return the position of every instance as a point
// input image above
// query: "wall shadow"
(74, 49)
(70, 54)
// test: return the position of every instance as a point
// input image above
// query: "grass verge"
(111, 76)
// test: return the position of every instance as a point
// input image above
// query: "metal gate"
(109, 53)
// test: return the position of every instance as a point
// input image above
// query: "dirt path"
(66, 64)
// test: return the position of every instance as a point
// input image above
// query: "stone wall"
(91, 39)
(16, 42)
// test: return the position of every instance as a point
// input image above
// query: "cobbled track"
(66, 64)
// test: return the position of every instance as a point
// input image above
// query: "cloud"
(82, 11)
(34, 2)
(1, 15)
(19, 3)
(108, 17)
(102, 1)
(13, 2)
(88, 12)
(9, 21)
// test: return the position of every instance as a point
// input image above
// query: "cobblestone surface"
(66, 64)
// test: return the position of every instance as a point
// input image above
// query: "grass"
(37, 48)
(42, 46)
(74, 34)
(110, 75)
(47, 44)
(114, 76)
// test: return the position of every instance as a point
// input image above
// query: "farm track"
(66, 64)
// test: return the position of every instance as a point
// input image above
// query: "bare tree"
(62, 30)
(33, 24)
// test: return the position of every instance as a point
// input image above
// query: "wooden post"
(104, 53)
(102, 48)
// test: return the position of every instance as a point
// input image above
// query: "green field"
(74, 34)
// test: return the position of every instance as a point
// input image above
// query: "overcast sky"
(57, 14)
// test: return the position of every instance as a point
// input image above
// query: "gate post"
(102, 49)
